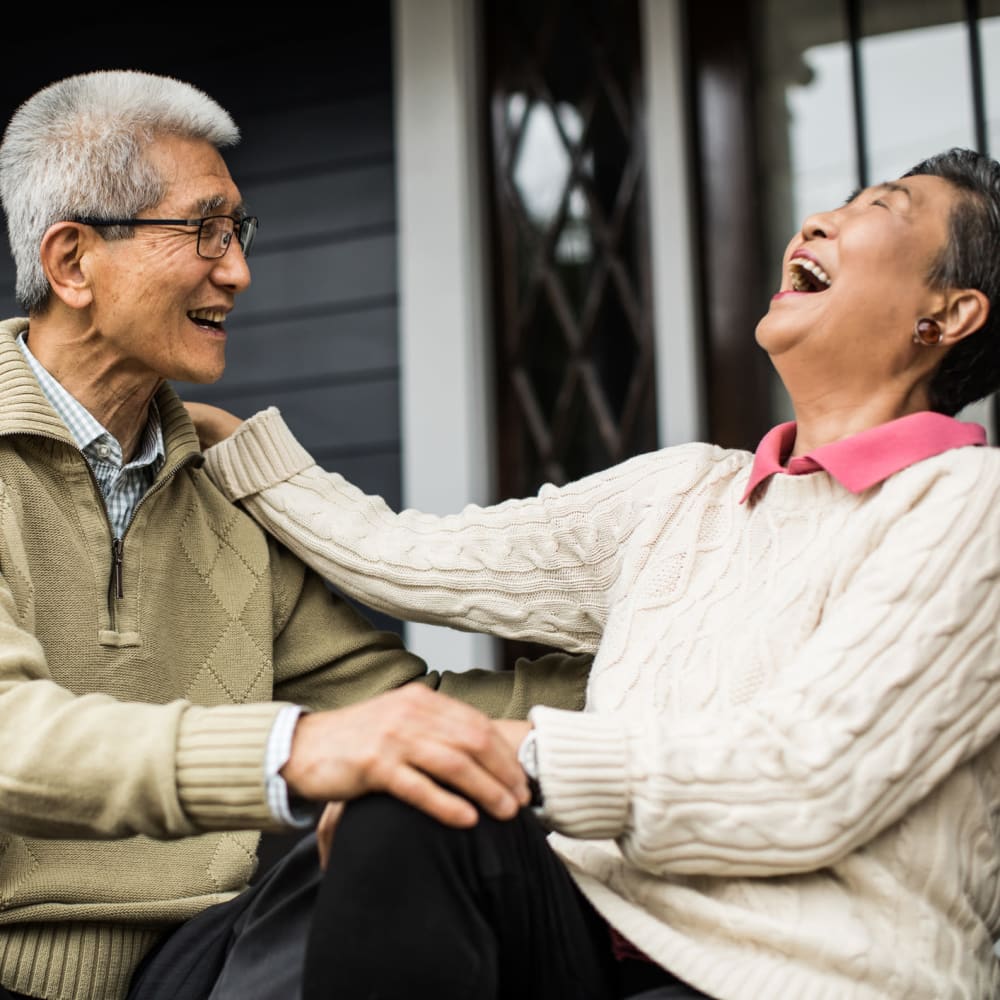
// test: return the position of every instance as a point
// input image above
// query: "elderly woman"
(786, 781)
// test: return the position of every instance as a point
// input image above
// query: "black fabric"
(412, 909)
(251, 947)
(408, 909)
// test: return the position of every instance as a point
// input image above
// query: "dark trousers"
(410, 909)
(413, 909)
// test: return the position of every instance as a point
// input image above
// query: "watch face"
(527, 755)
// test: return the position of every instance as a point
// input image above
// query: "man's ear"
(63, 250)
(965, 311)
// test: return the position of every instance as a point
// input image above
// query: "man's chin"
(200, 376)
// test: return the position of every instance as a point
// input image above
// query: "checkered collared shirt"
(122, 486)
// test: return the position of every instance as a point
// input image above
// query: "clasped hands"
(425, 748)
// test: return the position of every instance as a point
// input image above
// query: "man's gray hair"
(78, 147)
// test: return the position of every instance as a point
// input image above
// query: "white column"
(680, 402)
(446, 404)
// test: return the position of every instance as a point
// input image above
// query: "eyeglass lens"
(217, 232)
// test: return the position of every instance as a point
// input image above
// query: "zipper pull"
(116, 568)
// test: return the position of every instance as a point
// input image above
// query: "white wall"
(445, 378)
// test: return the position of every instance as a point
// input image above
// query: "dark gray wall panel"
(322, 205)
(324, 276)
(335, 133)
(355, 417)
(342, 345)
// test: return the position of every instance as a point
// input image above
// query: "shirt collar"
(82, 425)
(865, 459)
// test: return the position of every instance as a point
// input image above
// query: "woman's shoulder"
(967, 462)
(959, 478)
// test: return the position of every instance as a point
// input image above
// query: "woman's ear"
(62, 252)
(965, 311)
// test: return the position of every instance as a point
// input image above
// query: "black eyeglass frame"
(245, 228)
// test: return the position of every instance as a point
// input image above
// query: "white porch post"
(446, 403)
(680, 403)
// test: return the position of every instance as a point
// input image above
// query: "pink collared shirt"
(868, 457)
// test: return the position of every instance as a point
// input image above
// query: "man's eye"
(880, 203)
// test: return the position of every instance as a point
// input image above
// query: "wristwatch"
(527, 756)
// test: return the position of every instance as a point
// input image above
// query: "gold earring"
(927, 332)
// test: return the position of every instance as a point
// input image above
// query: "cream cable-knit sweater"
(786, 783)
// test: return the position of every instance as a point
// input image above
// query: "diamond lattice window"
(573, 318)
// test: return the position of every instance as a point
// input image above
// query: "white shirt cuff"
(279, 748)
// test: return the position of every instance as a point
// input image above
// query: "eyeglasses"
(215, 232)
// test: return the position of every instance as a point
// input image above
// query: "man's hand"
(410, 743)
(212, 423)
(325, 829)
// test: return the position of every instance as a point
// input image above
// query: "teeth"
(801, 283)
(211, 315)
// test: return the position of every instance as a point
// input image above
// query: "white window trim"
(679, 395)
(445, 372)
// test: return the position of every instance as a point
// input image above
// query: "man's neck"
(112, 390)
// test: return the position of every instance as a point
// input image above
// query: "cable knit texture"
(786, 782)
(133, 730)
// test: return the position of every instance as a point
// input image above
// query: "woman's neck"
(817, 425)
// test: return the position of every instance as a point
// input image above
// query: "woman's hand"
(212, 423)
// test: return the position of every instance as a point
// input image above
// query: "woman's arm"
(541, 568)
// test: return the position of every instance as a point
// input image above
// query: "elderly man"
(173, 681)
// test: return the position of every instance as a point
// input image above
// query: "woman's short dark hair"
(970, 259)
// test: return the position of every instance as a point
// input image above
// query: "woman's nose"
(819, 225)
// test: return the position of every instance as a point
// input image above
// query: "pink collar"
(864, 459)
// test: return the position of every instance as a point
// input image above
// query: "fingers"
(212, 423)
(417, 744)
(325, 829)
(442, 780)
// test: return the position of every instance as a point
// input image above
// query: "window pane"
(989, 40)
(916, 81)
(806, 122)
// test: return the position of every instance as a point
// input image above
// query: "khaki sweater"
(133, 727)
(786, 782)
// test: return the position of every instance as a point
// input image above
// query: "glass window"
(917, 82)
(989, 41)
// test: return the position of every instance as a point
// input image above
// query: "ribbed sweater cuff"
(260, 453)
(582, 763)
(221, 766)
(73, 961)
